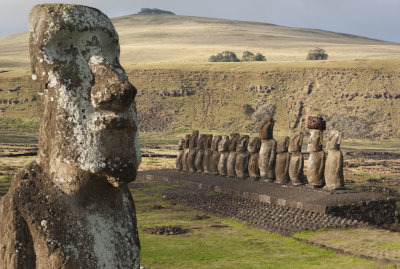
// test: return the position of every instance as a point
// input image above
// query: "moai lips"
(334, 178)
(267, 155)
(254, 149)
(282, 161)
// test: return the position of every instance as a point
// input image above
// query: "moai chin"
(224, 153)
(254, 150)
(71, 207)
(267, 155)
(185, 157)
(296, 163)
(215, 154)
(282, 161)
(230, 163)
(242, 158)
(178, 162)
(207, 153)
(334, 178)
(200, 154)
(316, 160)
(192, 151)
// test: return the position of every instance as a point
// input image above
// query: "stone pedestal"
(282, 161)
(254, 150)
(296, 163)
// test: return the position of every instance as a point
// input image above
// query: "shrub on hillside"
(225, 56)
(249, 57)
(317, 54)
(263, 111)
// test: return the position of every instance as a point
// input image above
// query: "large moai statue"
(282, 161)
(224, 153)
(334, 162)
(185, 157)
(230, 163)
(192, 151)
(179, 156)
(242, 158)
(207, 154)
(71, 207)
(254, 150)
(266, 159)
(215, 154)
(316, 160)
(200, 154)
(296, 163)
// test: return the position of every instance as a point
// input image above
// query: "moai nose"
(111, 89)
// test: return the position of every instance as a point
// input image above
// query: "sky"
(378, 19)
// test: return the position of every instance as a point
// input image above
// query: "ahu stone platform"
(374, 208)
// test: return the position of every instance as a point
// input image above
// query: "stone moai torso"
(296, 163)
(242, 158)
(254, 150)
(334, 178)
(192, 151)
(282, 161)
(200, 153)
(207, 154)
(185, 156)
(224, 153)
(71, 207)
(230, 163)
(267, 155)
(316, 160)
(215, 154)
(179, 156)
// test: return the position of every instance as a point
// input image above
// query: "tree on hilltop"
(225, 56)
(250, 57)
(317, 54)
(149, 11)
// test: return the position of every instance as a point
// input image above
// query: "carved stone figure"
(185, 157)
(178, 162)
(316, 160)
(207, 154)
(71, 207)
(282, 161)
(296, 163)
(230, 163)
(200, 153)
(254, 150)
(224, 153)
(192, 151)
(334, 162)
(266, 159)
(215, 154)
(242, 158)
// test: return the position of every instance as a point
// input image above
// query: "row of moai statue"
(262, 158)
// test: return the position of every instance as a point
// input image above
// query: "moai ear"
(321, 137)
(301, 140)
(340, 138)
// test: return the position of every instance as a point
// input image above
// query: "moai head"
(193, 139)
(254, 144)
(187, 141)
(88, 114)
(267, 128)
(282, 145)
(208, 140)
(233, 138)
(181, 143)
(223, 144)
(242, 143)
(295, 143)
(201, 141)
(334, 140)
(315, 141)
(215, 142)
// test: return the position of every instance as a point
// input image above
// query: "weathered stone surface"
(207, 153)
(192, 151)
(296, 163)
(242, 158)
(224, 153)
(254, 150)
(316, 122)
(334, 162)
(185, 156)
(71, 208)
(267, 155)
(179, 156)
(316, 161)
(230, 162)
(215, 154)
(200, 153)
(282, 161)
